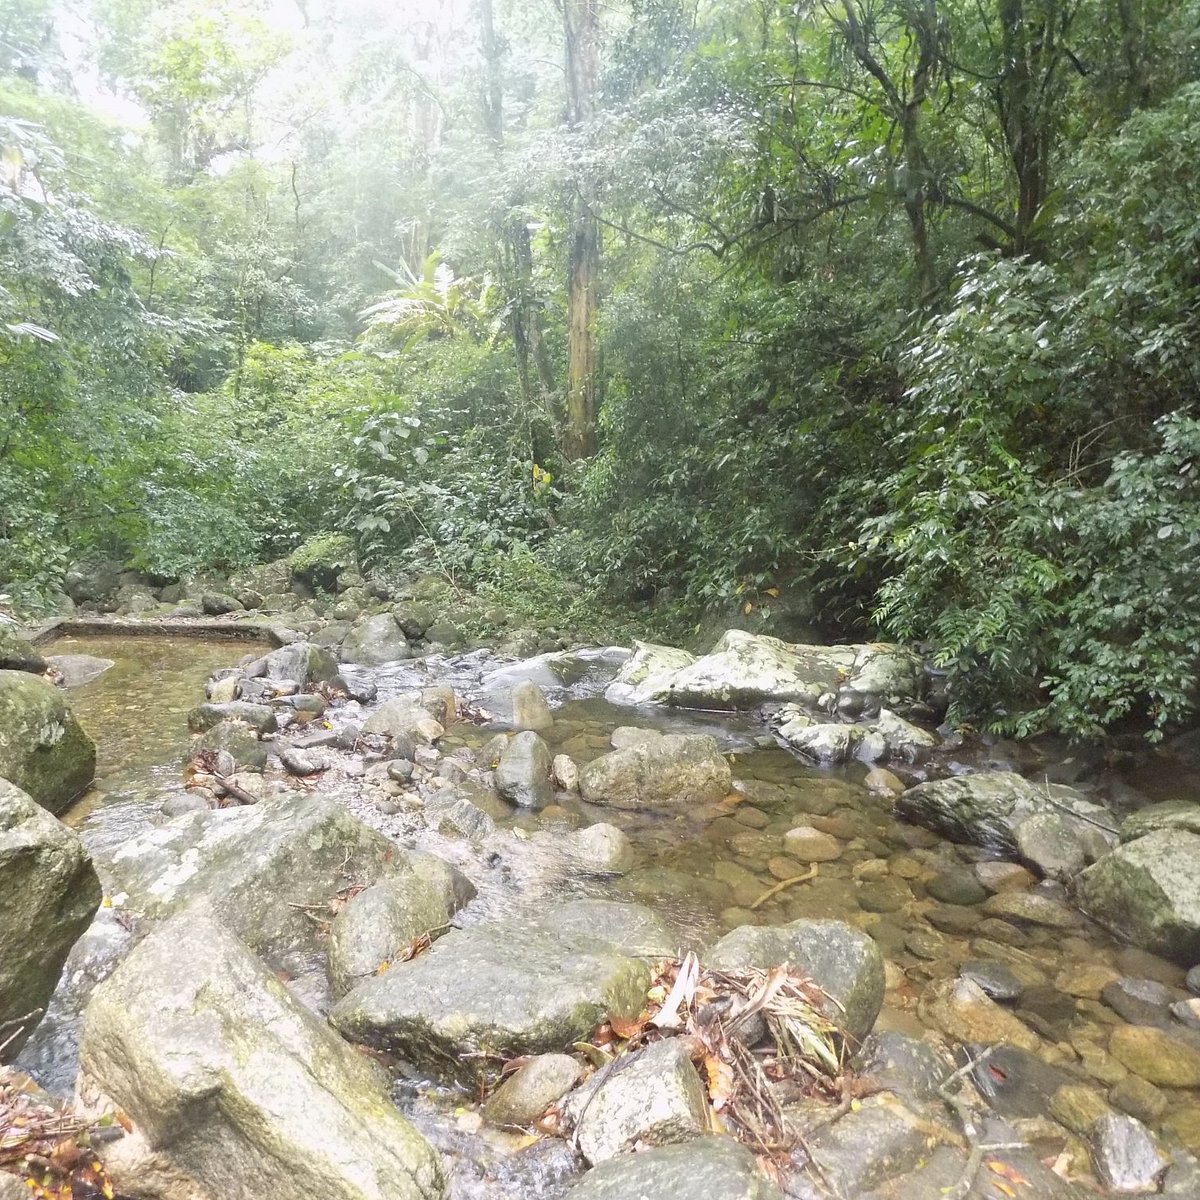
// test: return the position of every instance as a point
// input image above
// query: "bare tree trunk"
(581, 26)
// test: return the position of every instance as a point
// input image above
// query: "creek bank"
(871, 1151)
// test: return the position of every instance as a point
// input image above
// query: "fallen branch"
(785, 883)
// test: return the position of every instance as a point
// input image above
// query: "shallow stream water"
(704, 871)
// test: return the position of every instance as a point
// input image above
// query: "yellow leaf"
(773, 593)
(747, 608)
(106, 902)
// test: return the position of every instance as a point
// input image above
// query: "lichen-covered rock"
(645, 672)
(375, 641)
(744, 669)
(380, 922)
(529, 708)
(655, 1098)
(529, 1091)
(255, 867)
(234, 746)
(989, 810)
(234, 1086)
(259, 717)
(843, 961)
(708, 1168)
(678, 769)
(493, 992)
(1170, 814)
(302, 662)
(523, 775)
(43, 749)
(1148, 892)
(48, 895)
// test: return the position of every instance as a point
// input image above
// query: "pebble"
(1156, 1056)
(1003, 876)
(1002, 931)
(1078, 1107)
(952, 918)
(882, 782)
(785, 868)
(1141, 1001)
(873, 869)
(923, 944)
(957, 886)
(1184, 1123)
(753, 818)
(1187, 1012)
(1138, 1098)
(906, 867)
(993, 978)
(1085, 980)
(1125, 1155)
(811, 845)
(1132, 960)
(1192, 981)
(1031, 908)
(883, 897)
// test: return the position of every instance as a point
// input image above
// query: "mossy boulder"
(255, 867)
(489, 993)
(16, 654)
(319, 561)
(1148, 892)
(48, 895)
(235, 1089)
(43, 749)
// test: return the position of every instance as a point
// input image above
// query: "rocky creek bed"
(377, 883)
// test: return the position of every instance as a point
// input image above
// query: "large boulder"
(523, 775)
(261, 869)
(843, 961)
(317, 562)
(682, 769)
(745, 669)
(990, 810)
(16, 654)
(405, 718)
(259, 717)
(302, 662)
(709, 1168)
(375, 641)
(48, 895)
(234, 1086)
(43, 749)
(1148, 892)
(489, 993)
(381, 922)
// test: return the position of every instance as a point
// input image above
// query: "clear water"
(704, 870)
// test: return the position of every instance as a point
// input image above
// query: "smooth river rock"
(237, 1088)
(255, 867)
(524, 774)
(990, 810)
(43, 749)
(843, 961)
(49, 893)
(375, 641)
(1148, 892)
(709, 1168)
(677, 769)
(489, 993)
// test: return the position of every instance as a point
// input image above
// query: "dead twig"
(782, 884)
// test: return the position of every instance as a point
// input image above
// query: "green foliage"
(321, 558)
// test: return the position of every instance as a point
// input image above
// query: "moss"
(322, 558)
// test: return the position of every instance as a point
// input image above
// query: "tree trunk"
(581, 25)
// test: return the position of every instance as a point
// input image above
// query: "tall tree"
(581, 26)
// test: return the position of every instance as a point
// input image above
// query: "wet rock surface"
(783, 843)
(48, 894)
(236, 1085)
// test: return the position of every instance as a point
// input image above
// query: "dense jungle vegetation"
(871, 317)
